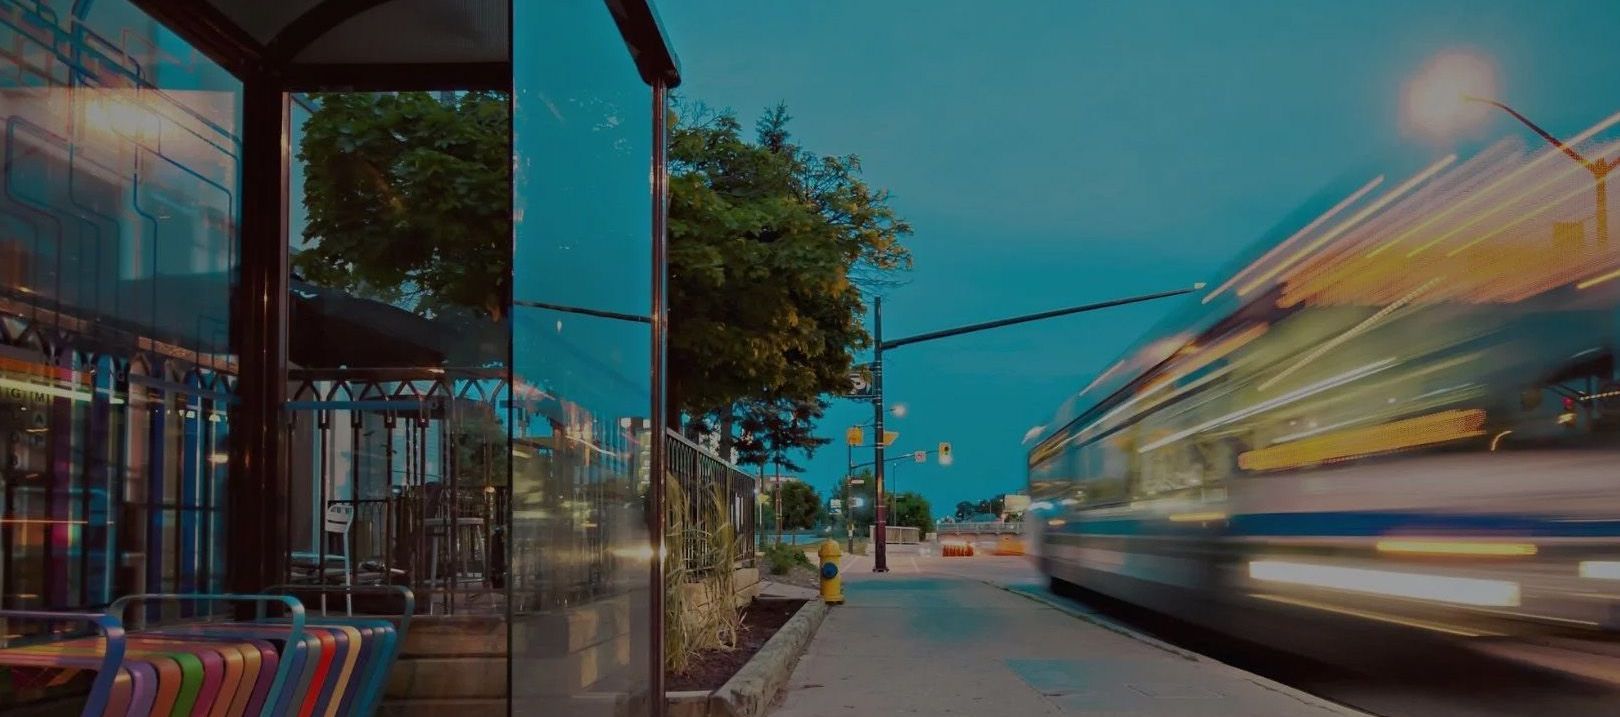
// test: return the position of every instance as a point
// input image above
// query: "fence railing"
(981, 528)
(708, 496)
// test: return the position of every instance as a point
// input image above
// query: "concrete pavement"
(932, 637)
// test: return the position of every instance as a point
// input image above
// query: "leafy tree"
(770, 245)
(409, 199)
(801, 505)
(911, 510)
(965, 510)
(772, 429)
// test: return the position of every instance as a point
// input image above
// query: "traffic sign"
(860, 383)
(920, 456)
(889, 437)
(854, 436)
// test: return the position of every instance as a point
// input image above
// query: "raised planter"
(749, 692)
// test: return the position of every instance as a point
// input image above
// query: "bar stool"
(470, 532)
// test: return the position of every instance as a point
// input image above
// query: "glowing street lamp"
(1435, 101)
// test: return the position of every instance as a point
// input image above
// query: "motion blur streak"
(1547, 155)
(1340, 228)
(1410, 433)
(1313, 226)
(1391, 619)
(1283, 400)
(1465, 591)
(1390, 447)
(1355, 331)
(1443, 547)
(1594, 281)
(1600, 569)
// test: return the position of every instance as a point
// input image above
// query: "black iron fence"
(712, 507)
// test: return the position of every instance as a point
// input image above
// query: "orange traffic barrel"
(1009, 545)
(956, 550)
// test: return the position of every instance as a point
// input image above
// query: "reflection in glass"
(118, 240)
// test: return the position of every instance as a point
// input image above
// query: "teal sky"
(1052, 153)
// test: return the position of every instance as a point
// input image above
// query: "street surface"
(942, 636)
(948, 600)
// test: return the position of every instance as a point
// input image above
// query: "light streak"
(1498, 204)
(1283, 400)
(1524, 216)
(1600, 569)
(1498, 439)
(1487, 191)
(41, 521)
(1380, 617)
(1367, 211)
(1372, 440)
(1355, 331)
(1417, 586)
(1319, 221)
(1594, 281)
(1451, 547)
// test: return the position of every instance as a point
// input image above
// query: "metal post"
(849, 508)
(258, 549)
(657, 454)
(880, 531)
(777, 479)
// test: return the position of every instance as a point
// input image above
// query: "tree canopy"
(770, 248)
(801, 506)
(409, 199)
(911, 510)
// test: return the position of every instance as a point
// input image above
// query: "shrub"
(780, 558)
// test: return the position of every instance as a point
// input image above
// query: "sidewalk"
(927, 642)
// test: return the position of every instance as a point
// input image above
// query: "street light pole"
(1599, 168)
(880, 563)
(880, 529)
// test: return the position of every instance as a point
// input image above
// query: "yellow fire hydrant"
(832, 586)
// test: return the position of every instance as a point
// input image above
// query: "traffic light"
(944, 454)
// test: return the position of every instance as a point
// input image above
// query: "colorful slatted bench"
(288, 665)
(381, 642)
(33, 675)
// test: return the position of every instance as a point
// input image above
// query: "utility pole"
(880, 563)
(880, 528)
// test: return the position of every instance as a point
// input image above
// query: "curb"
(1303, 697)
(749, 692)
